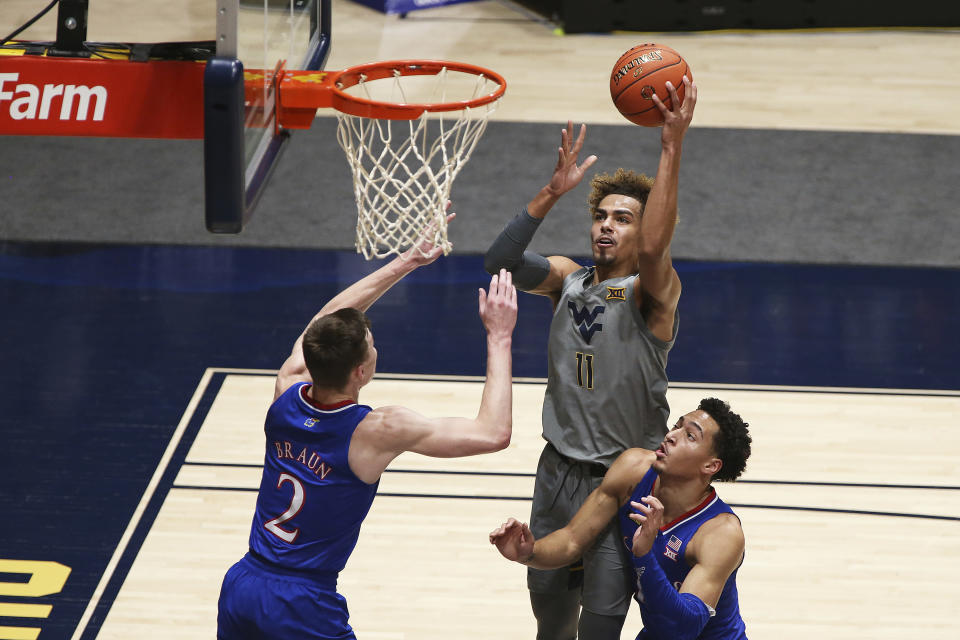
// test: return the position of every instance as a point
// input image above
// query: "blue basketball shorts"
(263, 602)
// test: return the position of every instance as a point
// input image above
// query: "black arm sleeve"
(509, 252)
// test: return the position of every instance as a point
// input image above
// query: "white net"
(403, 170)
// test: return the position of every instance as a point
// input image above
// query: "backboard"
(242, 144)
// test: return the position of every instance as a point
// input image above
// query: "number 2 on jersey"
(585, 369)
(296, 504)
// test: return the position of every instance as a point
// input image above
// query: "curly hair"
(623, 182)
(334, 345)
(732, 442)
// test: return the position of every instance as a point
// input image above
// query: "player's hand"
(513, 540)
(676, 121)
(648, 513)
(426, 251)
(498, 308)
(567, 175)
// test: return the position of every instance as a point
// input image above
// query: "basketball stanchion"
(407, 128)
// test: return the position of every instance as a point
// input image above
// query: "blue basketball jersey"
(311, 505)
(669, 548)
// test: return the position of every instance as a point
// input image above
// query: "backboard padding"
(241, 144)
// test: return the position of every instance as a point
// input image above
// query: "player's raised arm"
(360, 295)
(658, 284)
(389, 431)
(531, 271)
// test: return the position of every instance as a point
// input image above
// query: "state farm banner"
(43, 96)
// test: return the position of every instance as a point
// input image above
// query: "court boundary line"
(521, 474)
(428, 377)
(122, 546)
(454, 496)
(701, 385)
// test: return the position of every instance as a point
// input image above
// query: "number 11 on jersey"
(585, 370)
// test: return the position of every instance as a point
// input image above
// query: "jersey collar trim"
(693, 513)
(322, 408)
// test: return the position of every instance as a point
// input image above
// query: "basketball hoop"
(407, 128)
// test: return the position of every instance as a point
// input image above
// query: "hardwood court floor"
(846, 527)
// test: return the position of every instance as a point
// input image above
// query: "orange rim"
(367, 108)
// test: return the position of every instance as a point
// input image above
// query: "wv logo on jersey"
(616, 293)
(585, 320)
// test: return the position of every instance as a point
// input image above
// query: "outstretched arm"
(562, 547)
(389, 431)
(658, 284)
(360, 295)
(532, 272)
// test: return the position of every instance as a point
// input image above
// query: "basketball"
(641, 72)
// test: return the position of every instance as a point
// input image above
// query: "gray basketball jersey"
(607, 381)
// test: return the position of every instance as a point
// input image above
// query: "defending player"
(325, 453)
(686, 544)
(612, 328)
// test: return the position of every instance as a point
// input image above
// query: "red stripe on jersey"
(699, 507)
(319, 405)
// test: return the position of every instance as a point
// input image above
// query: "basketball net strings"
(402, 180)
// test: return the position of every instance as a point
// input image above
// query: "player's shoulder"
(287, 377)
(726, 525)
(717, 546)
(635, 461)
(664, 300)
(627, 471)
(390, 412)
(284, 383)
(561, 268)
(564, 265)
(719, 539)
(373, 429)
(387, 418)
